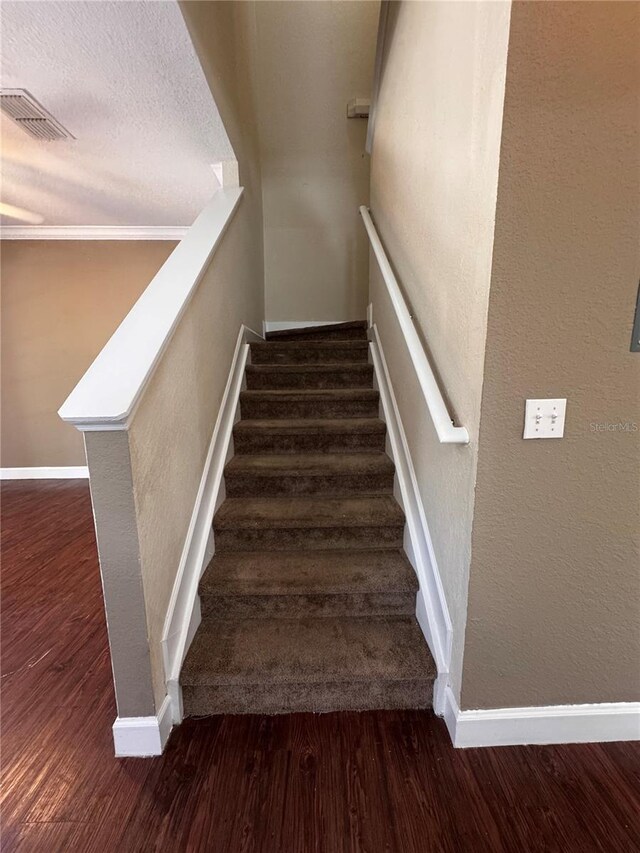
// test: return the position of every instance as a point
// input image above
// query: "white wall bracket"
(358, 108)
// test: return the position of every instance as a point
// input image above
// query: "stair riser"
(301, 606)
(298, 617)
(271, 380)
(269, 409)
(322, 538)
(308, 354)
(263, 442)
(252, 485)
(337, 335)
(287, 698)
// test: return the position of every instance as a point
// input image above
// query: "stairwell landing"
(309, 601)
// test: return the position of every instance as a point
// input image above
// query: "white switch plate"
(544, 418)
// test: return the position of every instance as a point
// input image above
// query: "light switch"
(544, 418)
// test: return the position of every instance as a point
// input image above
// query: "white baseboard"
(607, 721)
(285, 325)
(431, 607)
(93, 232)
(440, 687)
(65, 472)
(143, 736)
(183, 613)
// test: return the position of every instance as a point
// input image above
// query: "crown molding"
(93, 232)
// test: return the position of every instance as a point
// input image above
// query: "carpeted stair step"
(330, 474)
(308, 603)
(355, 330)
(312, 376)
(273, 666)
(309, 352)
(334, 403)
(295, 584)
(337, 435)
(281, 524)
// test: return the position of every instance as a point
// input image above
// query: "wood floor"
(377, 782)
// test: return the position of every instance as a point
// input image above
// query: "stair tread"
(313, 351)
(308, 402)
(310, 393)
(302, 343)
(308, 573)
(305, 512)
(302, 426)
(325, 367)
(307, 651)
(317, 613)
(308, 464)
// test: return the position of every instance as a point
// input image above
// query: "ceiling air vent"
(27, 113)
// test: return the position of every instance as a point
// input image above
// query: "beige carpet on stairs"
(309, 601)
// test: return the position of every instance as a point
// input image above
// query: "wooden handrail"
(442, 421)
(108, 393)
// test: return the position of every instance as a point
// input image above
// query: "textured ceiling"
(124, 79)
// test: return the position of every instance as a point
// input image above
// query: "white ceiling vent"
(28, 114)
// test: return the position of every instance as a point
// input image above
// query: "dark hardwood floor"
(377, 781)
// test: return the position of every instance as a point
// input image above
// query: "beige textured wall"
(554, 596)
(312, 58)
(61, 301)
(172, 428)
(114, 511)
(224, 36)
(173, 424)
(433, 189)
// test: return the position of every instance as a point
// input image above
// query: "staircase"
(309, 601)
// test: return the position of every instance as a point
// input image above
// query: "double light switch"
(544, 418)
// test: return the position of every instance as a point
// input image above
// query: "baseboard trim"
(285, 325)
(183, 613)
(596, 723)
(431, 606)
(64, 472)
(141, 737)
(93, 232)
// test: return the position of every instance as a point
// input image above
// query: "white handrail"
(107, 394)
(442, 421)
